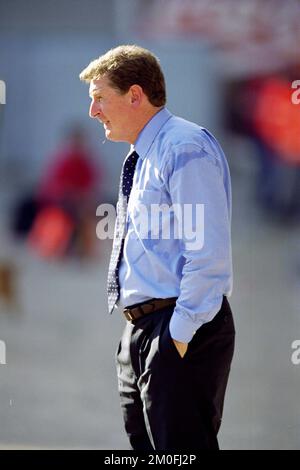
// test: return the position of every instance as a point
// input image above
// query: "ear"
(136, 95)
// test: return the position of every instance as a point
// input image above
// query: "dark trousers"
(169, 402)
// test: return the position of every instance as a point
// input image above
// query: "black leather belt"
(150, 306)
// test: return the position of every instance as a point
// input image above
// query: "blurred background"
(229, 66)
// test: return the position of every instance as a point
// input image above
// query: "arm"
(196, 177)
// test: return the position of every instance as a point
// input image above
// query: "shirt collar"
(149, 132)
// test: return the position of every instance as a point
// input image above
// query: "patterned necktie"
(113, 286)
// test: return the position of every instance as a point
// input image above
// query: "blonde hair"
(129, 65)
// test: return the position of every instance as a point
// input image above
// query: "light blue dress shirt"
(180, 165)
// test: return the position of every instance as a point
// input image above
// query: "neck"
(143, 121)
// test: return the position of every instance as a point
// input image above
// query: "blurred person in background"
(70, 176)
(68, 192)
(61, 214)
(174, 357)
(262, 109)
(277, 123)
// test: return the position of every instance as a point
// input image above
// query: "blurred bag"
(52, 232)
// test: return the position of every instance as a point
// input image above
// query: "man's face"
(112, 109)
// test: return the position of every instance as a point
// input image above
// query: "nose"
(94, 110)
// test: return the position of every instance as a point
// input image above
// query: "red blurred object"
(51, 232)
(71, 174)
(277, 119)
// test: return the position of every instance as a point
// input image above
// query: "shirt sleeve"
(196, 184)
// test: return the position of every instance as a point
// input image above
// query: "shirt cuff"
(183, 329)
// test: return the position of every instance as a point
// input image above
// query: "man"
(174, 357)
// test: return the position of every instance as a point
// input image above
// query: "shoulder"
(179, 131)
(180, 139)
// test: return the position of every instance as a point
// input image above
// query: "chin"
(109, 135)
(114, 137)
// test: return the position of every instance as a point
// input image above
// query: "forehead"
(99, 86)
